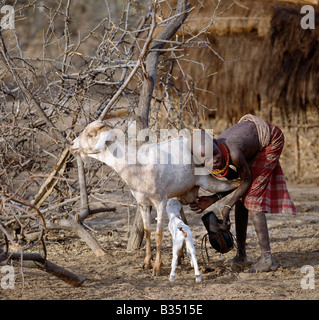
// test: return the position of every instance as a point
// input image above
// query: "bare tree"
(71, 79)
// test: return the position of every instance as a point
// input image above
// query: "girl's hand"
(226, 221)
(203, 203)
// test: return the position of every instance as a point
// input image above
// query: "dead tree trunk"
(182, 12)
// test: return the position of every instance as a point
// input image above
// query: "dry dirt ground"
(119, 274)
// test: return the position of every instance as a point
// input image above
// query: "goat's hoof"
(157, 268)
(172, 278)
(147, 266)
(156, 272)
(198, 278)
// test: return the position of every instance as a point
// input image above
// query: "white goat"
(151, 182)
(180, 232)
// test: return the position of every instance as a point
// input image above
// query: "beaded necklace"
(225, 162)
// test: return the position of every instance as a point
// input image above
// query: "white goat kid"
(180, 233)
(152, 182)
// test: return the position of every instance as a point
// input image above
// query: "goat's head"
(92, 139)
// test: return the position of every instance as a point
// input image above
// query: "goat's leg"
(174, 262)
(161, 209)
(146, 215)
(158, 260)
(180, 251)
(180, 255)
(191, 253)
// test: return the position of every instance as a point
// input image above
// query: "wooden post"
(136, 232)
(85, 209)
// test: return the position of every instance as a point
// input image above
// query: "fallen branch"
(45, 265)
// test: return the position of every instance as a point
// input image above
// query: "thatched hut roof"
(265, 53)
(236, 16)
(291, 75)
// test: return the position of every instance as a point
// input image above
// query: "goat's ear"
(104, 136)
(93, 132)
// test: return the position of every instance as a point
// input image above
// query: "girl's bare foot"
(264, 264)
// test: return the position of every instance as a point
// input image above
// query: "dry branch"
(7, 62)
(45, 265)
(152, 61)
(83, 234)
(47, 187)
(85, 209)
(136, 67)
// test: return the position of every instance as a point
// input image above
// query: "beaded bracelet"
(228, 206)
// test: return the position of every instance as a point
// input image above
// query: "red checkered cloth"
(268, 192)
